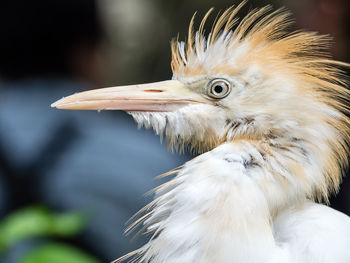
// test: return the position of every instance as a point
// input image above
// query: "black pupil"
(218, 89)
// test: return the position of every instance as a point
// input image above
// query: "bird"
(266, 109)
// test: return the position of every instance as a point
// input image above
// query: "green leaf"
(38, 221)
(69, 224)
(25, 223)
(57, 253)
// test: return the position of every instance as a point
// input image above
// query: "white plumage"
(267, 110)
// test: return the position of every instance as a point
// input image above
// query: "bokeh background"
(69, 181)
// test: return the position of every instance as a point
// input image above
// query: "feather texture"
(218, 209)
(262, 40)
(279, 140)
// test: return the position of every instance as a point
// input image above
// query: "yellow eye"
(218, 88)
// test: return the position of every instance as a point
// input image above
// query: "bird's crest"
(261, 37)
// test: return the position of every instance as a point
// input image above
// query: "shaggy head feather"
(285, 91)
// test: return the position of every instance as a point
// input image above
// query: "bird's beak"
(159, 96)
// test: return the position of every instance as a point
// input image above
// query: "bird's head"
(254, 82)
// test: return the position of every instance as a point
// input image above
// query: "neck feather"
(312, 151)
(220, 206)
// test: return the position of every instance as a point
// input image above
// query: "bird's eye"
(218, 88)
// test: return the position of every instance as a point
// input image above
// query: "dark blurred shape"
(49, 38)
(98, 163)
(327, 17)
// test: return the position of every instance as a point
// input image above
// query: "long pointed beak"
(159, 96)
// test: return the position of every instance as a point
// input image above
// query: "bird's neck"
(220, 206)
(307, 155)
(217, 209)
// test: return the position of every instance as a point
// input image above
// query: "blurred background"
(69, 181)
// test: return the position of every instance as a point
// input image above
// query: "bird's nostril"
(153, 90)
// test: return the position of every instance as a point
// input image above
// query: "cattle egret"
(267, 110)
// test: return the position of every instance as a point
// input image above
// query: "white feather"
(217, 209)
